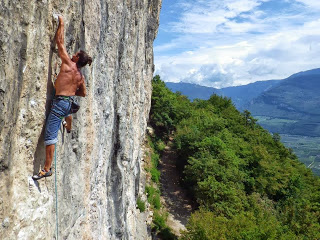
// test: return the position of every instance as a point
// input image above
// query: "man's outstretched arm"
(60, 42)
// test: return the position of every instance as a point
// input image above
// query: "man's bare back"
(70, 81)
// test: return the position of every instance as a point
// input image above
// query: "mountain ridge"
(244, 96)
(237, 93)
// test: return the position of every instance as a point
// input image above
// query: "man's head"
(81, 58)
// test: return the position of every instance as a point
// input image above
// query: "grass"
(153, 197)
(160, 146)
(141, 205)
(155, 160)
(161, 226)
(155, 175)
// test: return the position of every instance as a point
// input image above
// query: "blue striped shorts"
(60, 108)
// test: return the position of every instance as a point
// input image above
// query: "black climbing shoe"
(42, 174)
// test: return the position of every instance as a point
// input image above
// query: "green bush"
(150, 191)
(155, 175)
(204, 225)
(160, 146)
(155, 159)
(153, 197)
(159, 221)
(156, 201)
(160, 226)
(141, 205)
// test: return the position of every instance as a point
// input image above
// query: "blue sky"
(220, 43)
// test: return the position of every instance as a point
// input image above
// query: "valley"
(306, 148)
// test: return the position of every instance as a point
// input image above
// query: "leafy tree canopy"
(247, 184)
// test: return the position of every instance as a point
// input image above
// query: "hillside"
(294, 103)
(241, 95)
(289, 107)
(292, 109)
(247, 183)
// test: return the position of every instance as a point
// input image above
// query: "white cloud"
(315, 4)
(165, 47)
(232, 42)
(208, 16)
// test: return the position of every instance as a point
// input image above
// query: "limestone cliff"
(98, 164)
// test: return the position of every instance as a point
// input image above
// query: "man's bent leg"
(49, 157)
(69, 123)
(59, 109)
(51, 136)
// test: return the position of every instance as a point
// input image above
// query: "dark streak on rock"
(116, 177)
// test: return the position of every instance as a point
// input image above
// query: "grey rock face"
(98, 164)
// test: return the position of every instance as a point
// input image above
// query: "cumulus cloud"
(232, 42)
(210, 16)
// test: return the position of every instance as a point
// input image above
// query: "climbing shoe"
(42, 174)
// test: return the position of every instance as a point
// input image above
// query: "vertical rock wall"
(98, 164)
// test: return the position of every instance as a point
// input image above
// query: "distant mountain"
(315, 71)
(192, 91)
(240, 95)
(291, 107)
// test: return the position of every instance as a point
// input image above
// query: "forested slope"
(247, 184)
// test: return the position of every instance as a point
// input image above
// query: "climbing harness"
(56, 189)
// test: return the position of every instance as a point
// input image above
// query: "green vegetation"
(155, 173)
(153, 197)
(247, 184)
(306, 148)
(161, 227)
(141, 205)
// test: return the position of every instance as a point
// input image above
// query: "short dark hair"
(84, 59)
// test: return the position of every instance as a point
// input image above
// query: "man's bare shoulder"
(66, 67)
(70, 65)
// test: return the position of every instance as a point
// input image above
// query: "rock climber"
(70, 82)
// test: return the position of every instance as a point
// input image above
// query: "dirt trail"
(174, 197)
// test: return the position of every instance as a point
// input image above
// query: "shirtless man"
(70, 82)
